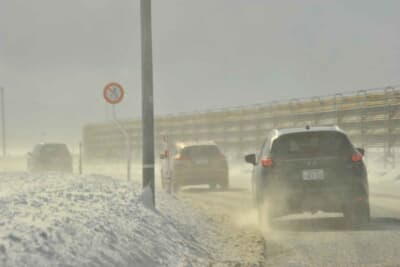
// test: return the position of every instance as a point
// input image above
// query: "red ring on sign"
(109, 87)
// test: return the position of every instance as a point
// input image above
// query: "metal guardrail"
(371, 118)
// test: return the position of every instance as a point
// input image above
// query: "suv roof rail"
(331, 127)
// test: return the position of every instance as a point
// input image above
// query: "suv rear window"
(201, 152)
(311, 144)
(54, 151)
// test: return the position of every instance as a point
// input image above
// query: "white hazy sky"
(56, 56)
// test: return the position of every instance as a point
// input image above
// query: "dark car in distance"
(308, 170)
(50, 157)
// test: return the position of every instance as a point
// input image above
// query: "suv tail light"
(356, 157)
(267, 162)
(180, 157)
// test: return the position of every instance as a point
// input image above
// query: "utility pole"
(147, 98)
(3, 121)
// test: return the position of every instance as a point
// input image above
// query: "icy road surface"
(92, 220)
(303, 240)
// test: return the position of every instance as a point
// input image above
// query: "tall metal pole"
(3, 121)
(147, 97)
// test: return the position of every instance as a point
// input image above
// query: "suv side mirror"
(250, 158)
(361, 150)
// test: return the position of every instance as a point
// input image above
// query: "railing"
(371, 118)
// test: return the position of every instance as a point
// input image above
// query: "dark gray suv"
(310, 169)
(50, 157)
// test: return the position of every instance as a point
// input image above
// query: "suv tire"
(224, 184)
(175, 186)
(357, 215)
(264, 216)
(213, 186)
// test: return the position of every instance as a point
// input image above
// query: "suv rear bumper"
(327, 200)
(200, 177)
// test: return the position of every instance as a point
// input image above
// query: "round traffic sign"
(113, 93)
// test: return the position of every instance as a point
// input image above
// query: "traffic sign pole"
(3, 121)
(147, 98)
(114, 93)
(128, 144)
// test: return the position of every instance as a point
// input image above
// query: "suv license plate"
(201, 161)
(312, 175)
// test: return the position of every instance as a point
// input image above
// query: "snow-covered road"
(93, 220)
(306, 240)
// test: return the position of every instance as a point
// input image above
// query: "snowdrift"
(92, 220)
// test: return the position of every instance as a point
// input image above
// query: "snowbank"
(56, 220)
